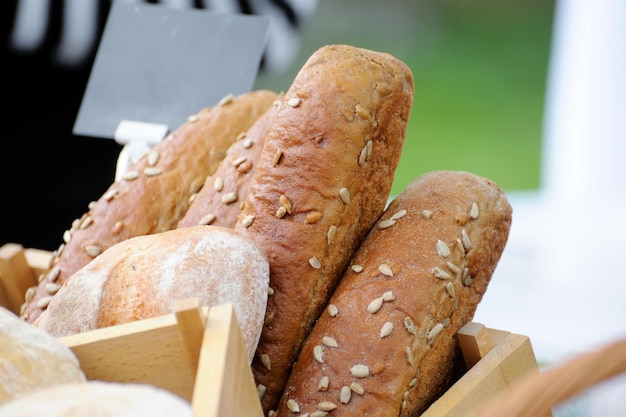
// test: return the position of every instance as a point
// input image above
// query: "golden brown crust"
(158, 198)
(322, 180)
(422, 269)
(219, 200)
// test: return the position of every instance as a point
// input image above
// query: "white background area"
(562, 277)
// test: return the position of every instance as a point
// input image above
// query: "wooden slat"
(511, 359)
(16, 276)
(38, 260)
(191, 321)
(146, 351)
(475, 343)
(224, 383)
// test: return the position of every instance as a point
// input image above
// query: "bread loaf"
(386, 343)
(145, 276)
(218, 202)
(155, 193)
(99, 399)
(31, 359)
(322, 180)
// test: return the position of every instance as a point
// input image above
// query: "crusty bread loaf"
(321, 182)
(31, 359)
(155, 194)
(145, 276)
(218, 202)
(386, 343)
(99, 399)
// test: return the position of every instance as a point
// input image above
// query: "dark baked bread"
(386, 343)
(155, 194)
(322, 181)
(219, 200)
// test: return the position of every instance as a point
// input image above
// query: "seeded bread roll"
(99, 399)
(155, 193)
(31, 359)
(218, 202)
(386, 343)
(145, 276)
(321, 182)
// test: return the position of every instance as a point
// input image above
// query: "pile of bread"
(278, 203)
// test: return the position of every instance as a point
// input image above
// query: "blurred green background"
(480, 70)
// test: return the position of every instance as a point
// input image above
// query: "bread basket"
(198, 354)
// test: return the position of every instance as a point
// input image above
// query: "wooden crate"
(199, 354)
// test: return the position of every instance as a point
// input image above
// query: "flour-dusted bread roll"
(218, 202)
(386, 343)
(145, 276)
(99, 399)
(154, 195)
(322, 180)
(31, 359)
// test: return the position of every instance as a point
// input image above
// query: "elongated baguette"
(386, 343)
(218, 202)
(322, 180)
(155, 193)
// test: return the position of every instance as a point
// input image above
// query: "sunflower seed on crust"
(318, 353)
(218, 184)
(375, 305)
(293, 406)
(315, 263)
(332, 310)
(323, 384)
(329, 341)
(383, 224)
(93, 250)
(265, 360)
(344, 193)
(130, 175)
(442, 248)
(473, 213)
(152, 171)
(261, 389)
(345, 395)
(330, 235)
(247, 221)
(207, 219)
(440, 273)
(294, 102)
(360, 371)
(229, 197)
(386, 329)
(386, 270)
(228, 98)
(398, 215)
(44, 301)
(326, 406)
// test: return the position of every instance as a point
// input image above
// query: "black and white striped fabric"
(71, 29)
(47, 50)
